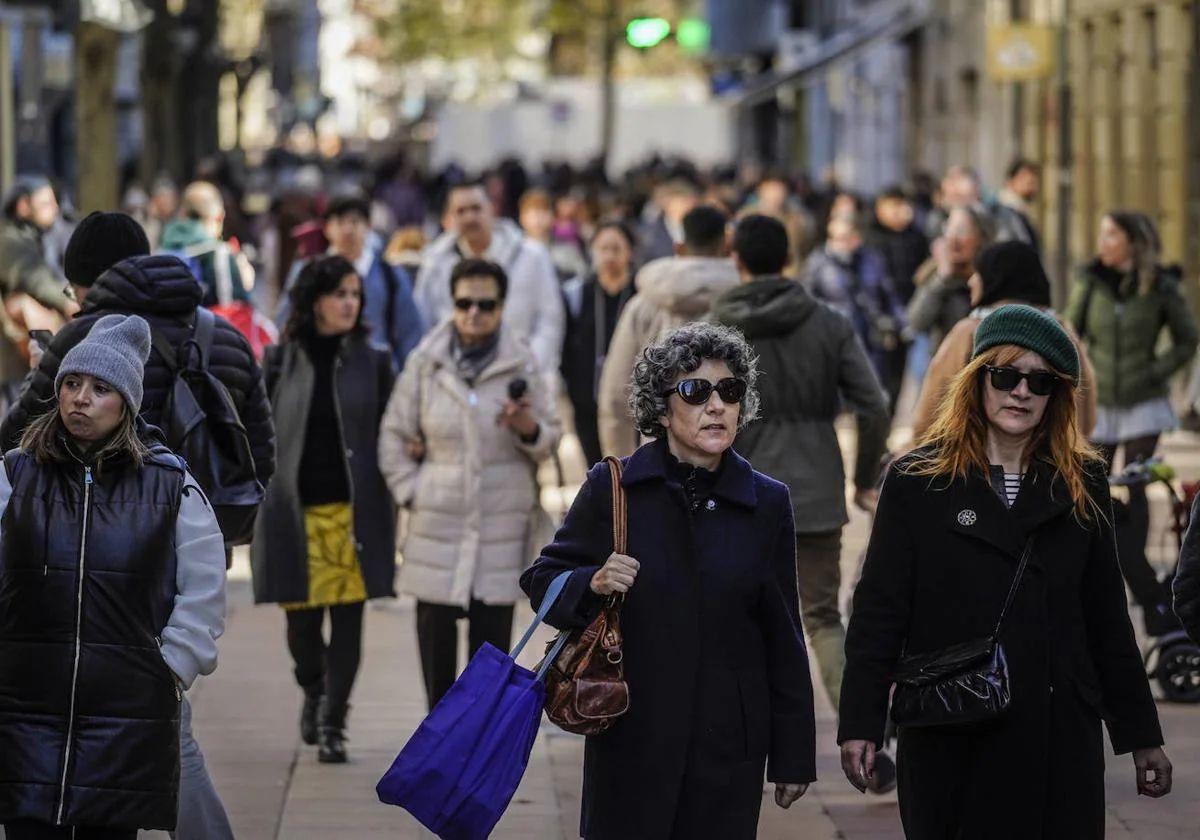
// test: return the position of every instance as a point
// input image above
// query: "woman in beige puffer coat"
(462, 456)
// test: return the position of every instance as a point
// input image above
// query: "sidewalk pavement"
(273, 787)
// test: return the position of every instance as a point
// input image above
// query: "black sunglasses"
(1041, 382)
(697, 391)
(484, 304)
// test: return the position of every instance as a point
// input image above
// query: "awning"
(881, 27)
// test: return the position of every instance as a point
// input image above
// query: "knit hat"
(1032, 329)
(99, 242)
(116, 351)
(1012, 271)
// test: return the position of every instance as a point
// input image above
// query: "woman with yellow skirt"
(325, 537)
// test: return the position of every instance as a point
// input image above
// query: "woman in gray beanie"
(112, 572)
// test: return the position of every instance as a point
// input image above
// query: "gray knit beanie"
(116, 351)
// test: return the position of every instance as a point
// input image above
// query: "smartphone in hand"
(42, 337)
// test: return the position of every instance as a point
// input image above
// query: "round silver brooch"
(966, 517)
(710, 504)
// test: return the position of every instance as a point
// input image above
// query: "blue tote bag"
(460, 769)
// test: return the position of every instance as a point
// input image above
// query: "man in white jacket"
(533, 310)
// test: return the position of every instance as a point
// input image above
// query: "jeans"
(328, 669)
(437, 638)
(201, 813)
(819, 578)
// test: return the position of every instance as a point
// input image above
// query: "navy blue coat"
(714, 655)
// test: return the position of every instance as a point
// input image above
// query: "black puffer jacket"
(89, 711)
(162, 290)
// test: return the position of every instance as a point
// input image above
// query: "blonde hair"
(957, 440)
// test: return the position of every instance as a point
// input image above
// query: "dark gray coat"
(812, 367)
(363, 377)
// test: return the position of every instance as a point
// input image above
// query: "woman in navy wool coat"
(714, 656)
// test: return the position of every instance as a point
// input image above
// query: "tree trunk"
(161, 142)
(608, 64)
(96, 117)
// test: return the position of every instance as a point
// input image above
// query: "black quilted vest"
(89, 711)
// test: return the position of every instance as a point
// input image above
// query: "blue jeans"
(201, 814)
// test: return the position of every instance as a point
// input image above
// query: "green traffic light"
(644, 33)
(693, 35)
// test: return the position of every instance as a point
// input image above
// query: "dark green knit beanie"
(1032, 329)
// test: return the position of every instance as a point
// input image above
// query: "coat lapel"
(977, 511)
(1043, 497)
(974, 510)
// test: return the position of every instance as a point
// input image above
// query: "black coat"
(162, 290)
(714, 656)
(903, 251)
(363, 376)
(1186, 586)
(89, 710)
(940, 561)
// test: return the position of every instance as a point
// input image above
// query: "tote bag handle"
(552, 592)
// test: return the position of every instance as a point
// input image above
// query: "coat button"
(711, 504)
(349, 452)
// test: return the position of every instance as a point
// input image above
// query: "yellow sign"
(1020, 52)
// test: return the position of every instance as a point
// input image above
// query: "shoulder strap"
(1012, 590)
(206, 327)
(620, 522)
(159, 342)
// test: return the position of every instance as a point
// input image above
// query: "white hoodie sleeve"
(550, 323)
(189, 641)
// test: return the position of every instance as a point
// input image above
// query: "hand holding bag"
(964, 683)
(585, 683)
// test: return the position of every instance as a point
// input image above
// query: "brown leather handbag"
(585, 685)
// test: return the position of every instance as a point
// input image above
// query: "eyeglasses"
(483, 304)
(697, 391)
(1041, 382)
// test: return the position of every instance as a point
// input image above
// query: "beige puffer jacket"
(473, 496)
(671, 292)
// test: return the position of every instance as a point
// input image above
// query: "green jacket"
(1122, 330)
(23, 267)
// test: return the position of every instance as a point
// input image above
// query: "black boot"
(331, 747)
(308, 713)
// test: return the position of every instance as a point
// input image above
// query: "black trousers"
(1132, 527)
(326, 668)
(30, 830)
(437, 638)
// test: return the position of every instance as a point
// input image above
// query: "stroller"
(1172, 659)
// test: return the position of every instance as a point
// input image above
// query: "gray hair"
(683, 351)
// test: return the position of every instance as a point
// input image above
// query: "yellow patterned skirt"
(334, 576)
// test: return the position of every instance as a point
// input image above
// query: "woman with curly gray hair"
(714, 656)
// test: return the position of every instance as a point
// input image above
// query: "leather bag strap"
(620, 522)
(1012, 590)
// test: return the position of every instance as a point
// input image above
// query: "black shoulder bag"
(963, 683)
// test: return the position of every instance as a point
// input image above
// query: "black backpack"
(202, 426)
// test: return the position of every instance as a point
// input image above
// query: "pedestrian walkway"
(245, 719)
